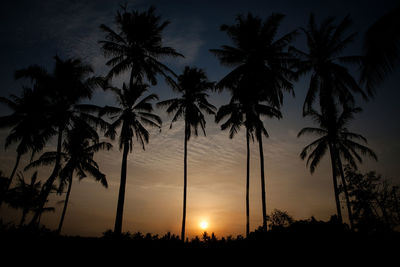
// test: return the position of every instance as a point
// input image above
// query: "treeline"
(263, 67)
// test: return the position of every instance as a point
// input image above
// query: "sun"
(203, 225)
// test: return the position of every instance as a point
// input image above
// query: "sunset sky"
(32, 32)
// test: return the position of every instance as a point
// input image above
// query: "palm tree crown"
(137, 45)
(132, 115)
(261, 62)
(192, 85)
(381, 49)
(330, 79)
(333, 132)
(28, 128)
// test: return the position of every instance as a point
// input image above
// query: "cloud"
(186, 40)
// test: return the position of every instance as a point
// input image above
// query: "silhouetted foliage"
(79, 146)
(137, 45)
(279, 218)
(330, 80)
(374, 201)
(26, 196)
(381, 49)
(28, 128)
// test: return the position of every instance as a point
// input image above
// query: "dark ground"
(315, 243)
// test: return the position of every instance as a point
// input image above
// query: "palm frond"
(312, 130)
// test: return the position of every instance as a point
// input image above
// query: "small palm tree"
(133, 114)
(137, 45)
(330, 79)
(262, 72)
(25, 195)
(192, 85)
(341, 143)
(79, 147)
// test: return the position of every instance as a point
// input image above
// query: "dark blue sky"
(32, 32)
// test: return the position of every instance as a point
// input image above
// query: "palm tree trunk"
(50, 181)
(24, 212)
(184, 182)
(248, 184)
(65, 204)
(264, 205)
(14, 170)
(121, 195)
(335, 187)
(346, 193)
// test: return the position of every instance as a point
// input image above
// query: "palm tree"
(341, 143)
(137, 45)
(261, 71)
(192, 85)
(28, 127)
(79, 147)
(381, 49)
(235, 119)
(133, 113)
(25, 195)
(248, 115)
(68, 84)
(330, 79)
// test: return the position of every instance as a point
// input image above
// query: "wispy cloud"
(185, 37)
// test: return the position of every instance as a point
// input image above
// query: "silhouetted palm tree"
(63, 88)
(335, 137)
(192, 85)
(330, 79)
(237, 118)
(25, 195)
(80, 144)
(137, 45)
(261, 70)
(381, 49)
(248, 114)
(133, 113)
(28, 126)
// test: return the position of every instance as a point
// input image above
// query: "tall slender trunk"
(65, 204)
(346, 193)
(50, 181)
(248, 184)
(121, 195)
(14, 170)
(264, 205)
(24, 213)
(184, 182)
(335, 187)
